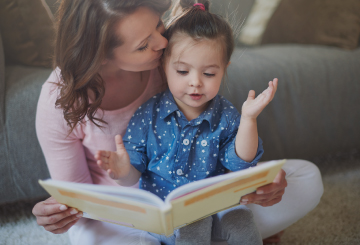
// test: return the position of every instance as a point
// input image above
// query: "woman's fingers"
(263, 200)
(55, 216)
(58, 224)
(279, 183)
(48, 207)
(269, 194)
(65, 228)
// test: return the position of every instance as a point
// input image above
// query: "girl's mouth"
(195, 96)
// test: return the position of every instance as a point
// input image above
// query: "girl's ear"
(228, 64)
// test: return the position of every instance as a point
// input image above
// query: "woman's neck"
(122, 88)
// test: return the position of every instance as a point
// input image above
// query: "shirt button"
(204, 143)
(186, 141)
(179, 172)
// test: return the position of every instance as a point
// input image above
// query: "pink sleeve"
(64, 154)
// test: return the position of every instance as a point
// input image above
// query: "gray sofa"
(316, 110)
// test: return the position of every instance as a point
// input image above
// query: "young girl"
(189, 132)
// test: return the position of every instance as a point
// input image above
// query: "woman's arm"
(65, 158)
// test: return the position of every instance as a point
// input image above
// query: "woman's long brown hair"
(85, 38)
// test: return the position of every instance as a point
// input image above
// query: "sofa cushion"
(3, 141)
(316, 107)
(235, 11)
(330, 22)
(25, 163)
(254, 27)
(27, 31)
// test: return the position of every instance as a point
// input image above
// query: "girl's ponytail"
(182, 5)
(188, 17)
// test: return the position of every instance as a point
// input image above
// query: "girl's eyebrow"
(184, 63)
(145, 39)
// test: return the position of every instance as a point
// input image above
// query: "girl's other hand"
(268, 195)
(252, 107)
(55, 217)
(116, 164)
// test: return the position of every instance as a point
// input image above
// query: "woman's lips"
(195, 96)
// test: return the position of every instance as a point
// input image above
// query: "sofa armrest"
(316, 108)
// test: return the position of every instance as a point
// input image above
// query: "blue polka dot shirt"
(171, 151)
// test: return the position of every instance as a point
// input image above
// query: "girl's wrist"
(246, 119)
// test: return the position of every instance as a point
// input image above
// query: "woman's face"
(142, 42)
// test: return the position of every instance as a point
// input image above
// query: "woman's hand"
(268, 195)
(252, 107)
(55, 217)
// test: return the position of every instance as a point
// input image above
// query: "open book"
(143, 210)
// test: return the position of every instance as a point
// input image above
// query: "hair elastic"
(200, 6)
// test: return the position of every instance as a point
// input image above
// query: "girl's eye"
(182, 72)
(209, 74)
(144, 48)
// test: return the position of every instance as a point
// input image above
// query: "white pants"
(302, 194)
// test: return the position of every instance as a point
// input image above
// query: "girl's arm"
(247, 137)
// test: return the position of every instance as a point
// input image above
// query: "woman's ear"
(228, 64)
(104, 62)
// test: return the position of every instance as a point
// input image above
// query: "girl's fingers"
(100, 154)
(119, 144)
(111, 174)
(251, 95)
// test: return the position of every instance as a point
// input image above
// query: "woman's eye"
(209, 74)
(143, 48)
(182, 72)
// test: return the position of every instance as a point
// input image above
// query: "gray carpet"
(336, 220)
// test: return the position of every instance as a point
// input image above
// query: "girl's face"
(142, 42)
(194, 72)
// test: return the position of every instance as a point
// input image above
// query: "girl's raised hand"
(117, 164)
(252, 107)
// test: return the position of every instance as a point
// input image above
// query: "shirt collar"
(212, 114)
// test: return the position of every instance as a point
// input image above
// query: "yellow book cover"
(143, 210)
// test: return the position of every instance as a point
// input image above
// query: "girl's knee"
(236, 217)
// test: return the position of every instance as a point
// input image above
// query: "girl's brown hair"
(85, 38)
(199, 24)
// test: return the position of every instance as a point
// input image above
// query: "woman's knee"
(305, 174)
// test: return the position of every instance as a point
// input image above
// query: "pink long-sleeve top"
(71, 157)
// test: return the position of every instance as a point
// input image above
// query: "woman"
(106, 57)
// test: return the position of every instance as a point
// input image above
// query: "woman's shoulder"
(46, 107)
(49, 90)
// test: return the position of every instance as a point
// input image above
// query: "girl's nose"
(195, 82)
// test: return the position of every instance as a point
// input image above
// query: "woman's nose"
(161, 42)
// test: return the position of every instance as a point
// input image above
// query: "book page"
(200, 184)
(215, 194)
(119, 205)
(129, 193)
